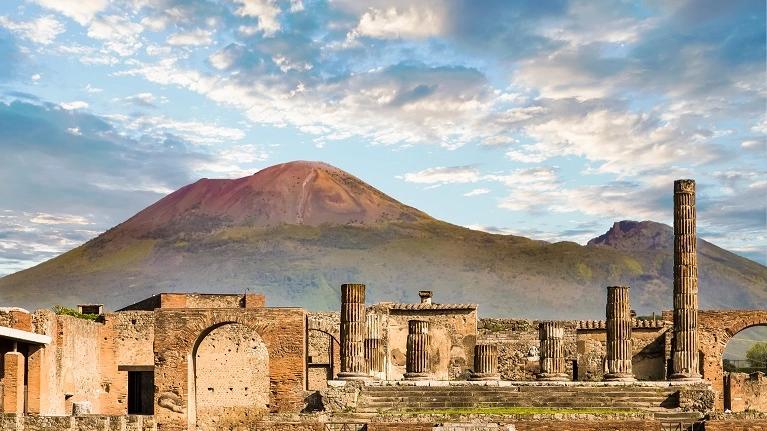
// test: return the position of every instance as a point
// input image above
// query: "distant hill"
(295, 232)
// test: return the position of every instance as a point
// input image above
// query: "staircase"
(420, 398)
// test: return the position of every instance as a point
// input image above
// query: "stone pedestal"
(618, 325)
(485, 362)
(81, 408)
(685, 342)
(352, 332)
(552, 355)
(417, 357)
(375, 356)
(13, 383)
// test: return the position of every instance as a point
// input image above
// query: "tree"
(757, 355)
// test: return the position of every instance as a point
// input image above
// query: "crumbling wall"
(746, 392)
(518, 346)
(73, 363)
(648, 350)
(453, 332)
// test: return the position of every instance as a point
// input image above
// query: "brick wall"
(70, 423)
(178, 332)
(126, 344)
(746, 392)
(739, 425)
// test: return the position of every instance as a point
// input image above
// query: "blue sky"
(548, 119)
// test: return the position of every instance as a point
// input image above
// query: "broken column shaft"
(417, 357)
(618, 311)
(685, 341)
(374, 352)
(485, 362)
(552, 355)
(352, 332)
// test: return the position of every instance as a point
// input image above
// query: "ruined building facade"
(196, 361)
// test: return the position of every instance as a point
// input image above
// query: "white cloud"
(193, 38)
(81, 11)
(36, 77)
(391, 24)
(444, 175)
(75, 131)
(74, 105)
(265, 10)
(43, 218)
(141, 99)
(43, 30)
(120, 34)
(476, 192)
(90, 89)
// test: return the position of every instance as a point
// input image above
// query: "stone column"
(685, 342)
(13, 387)
(417, 357)
(552, 354)
(374, 353)
(618, 361)
(352, 332)
(485, 362)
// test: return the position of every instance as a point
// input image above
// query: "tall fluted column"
(485, 362)
(685, 342)
(374, 352)
(352, 332)
(417, 357)
(552, 355)
(618, 310)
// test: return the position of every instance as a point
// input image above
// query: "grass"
(512, 411)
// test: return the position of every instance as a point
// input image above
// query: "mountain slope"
(296, 231)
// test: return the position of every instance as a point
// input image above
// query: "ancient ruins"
(178, 361)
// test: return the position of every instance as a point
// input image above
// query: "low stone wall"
(736, 425)
(12, 422)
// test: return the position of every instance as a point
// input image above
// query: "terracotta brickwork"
(126, 343)
(178, 334)
(13, 382)
(739, 425)
(197, 300)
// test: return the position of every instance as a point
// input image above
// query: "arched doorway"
(323, 359)
(715, 329)
(231, 377)
(743, 385)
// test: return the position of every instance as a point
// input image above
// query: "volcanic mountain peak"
(301, 192)
(636, 235)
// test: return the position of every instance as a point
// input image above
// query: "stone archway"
(323, 331)
(231, 377)
(179, 334)
(715, 329)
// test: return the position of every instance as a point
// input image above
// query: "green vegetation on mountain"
(224, 236)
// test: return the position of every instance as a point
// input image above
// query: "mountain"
(295, 232)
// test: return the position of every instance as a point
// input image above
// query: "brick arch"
(715, 329)
(323, 325)
(179, 331)
(221, 368)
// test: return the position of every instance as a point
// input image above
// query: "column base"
(417, 376)
(619, 377)
(552, 377)
(485, 376)
(352, 376)
(686, 377)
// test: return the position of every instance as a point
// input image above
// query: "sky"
(546, 119)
